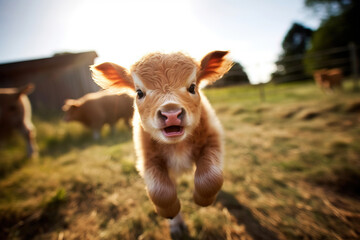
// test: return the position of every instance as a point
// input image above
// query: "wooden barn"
(57, 78)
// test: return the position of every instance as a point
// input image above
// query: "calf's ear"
(213, 66)
(111, 76)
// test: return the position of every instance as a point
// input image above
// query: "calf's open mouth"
(173, 131)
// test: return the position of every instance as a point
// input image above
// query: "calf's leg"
(96, 134)
(208, 182)
(29, 135)
(178, 227)
(162, 191)
(208, 178)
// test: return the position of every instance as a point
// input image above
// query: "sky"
(123, 31)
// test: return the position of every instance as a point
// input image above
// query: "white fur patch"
(179, 160)
(192, 78)
(151, 182)
(137, 81)
(140, 85)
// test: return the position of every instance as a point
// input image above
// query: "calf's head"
(167, 88)
(71, 109)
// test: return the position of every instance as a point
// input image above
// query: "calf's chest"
(179, 160)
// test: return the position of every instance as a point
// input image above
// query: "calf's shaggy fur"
(174, 125)
(94, 110)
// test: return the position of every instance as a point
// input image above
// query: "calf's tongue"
(173, 131)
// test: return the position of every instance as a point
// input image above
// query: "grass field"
(292, 171)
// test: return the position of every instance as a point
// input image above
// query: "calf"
(174, 126)
(94, 110)
(329, 79)
(15, 114)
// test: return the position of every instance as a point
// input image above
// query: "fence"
(345, 58)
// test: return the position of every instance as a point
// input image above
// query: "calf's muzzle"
(171, 117)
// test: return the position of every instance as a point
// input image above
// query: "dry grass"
(292, 171)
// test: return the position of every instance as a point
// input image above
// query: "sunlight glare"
(124, 31)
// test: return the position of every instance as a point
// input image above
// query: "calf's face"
(167, 88)
(168, 101)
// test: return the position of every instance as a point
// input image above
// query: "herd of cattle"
(94, 110)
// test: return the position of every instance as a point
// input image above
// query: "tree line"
(305, 50)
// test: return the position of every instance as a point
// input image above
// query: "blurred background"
(290, 107)
(123, 31)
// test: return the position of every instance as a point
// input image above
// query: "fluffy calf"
(15, 114)
(329, 78)
(94, 110)
(174, 125)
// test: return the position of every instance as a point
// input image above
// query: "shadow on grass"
(12, 154)
(57, 146)
(42, 221)
(244, 216)
(342, 180)
(11, 164)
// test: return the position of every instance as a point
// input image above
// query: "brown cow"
(174, 126)
(329, 79)
(94, 110)
(15, 114)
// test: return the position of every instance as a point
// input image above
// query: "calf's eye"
(140, 94)
(191, 89)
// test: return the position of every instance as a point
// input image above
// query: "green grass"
(292, 171)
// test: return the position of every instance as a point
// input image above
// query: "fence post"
(354, 65)
(262, 92)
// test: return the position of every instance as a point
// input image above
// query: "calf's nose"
(173, 117)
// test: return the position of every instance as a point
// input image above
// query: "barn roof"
(58, 60)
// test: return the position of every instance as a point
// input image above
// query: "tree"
(296, 40)
(329, 7)
(339, 27)
(295, 44)
(235, 76)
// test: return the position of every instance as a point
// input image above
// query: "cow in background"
(329, 79)
(15, 115)
(94, 110)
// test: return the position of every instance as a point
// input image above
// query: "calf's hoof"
(178, 228)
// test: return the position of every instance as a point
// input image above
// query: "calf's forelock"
(164, 72)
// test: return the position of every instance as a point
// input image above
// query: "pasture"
(292, 171)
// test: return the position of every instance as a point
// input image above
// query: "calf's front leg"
(29, 135)
(208, 178)
(162, 191)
